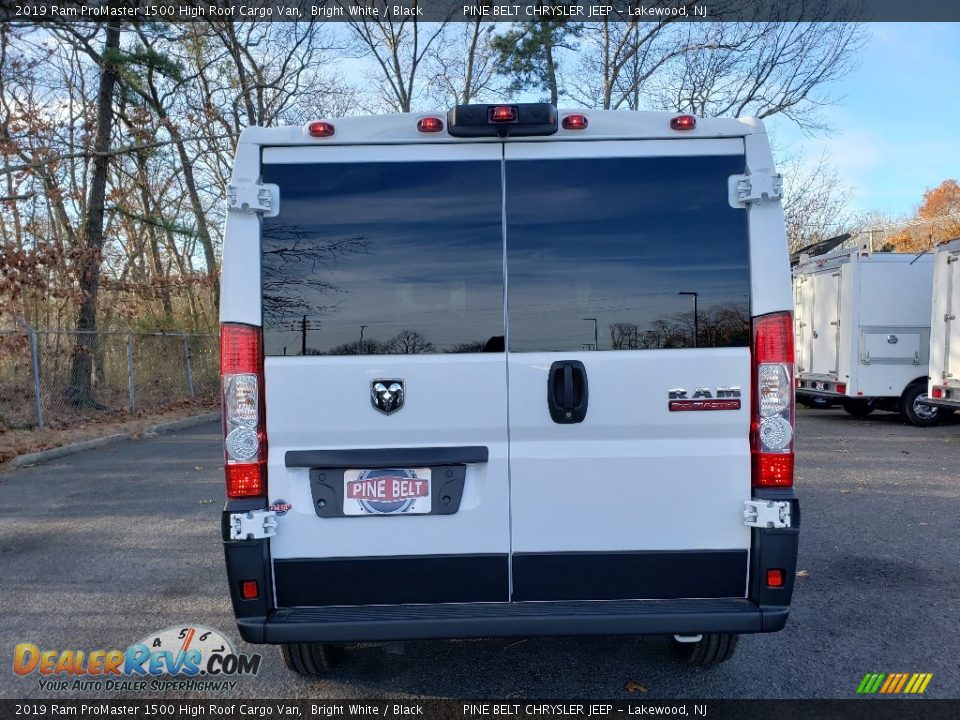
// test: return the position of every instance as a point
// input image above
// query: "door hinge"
(251, 198)
(766, 513)
(254, 525)
(757, 188)
(948, 318)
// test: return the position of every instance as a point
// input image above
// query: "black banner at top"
(502, 709)
(596, 11)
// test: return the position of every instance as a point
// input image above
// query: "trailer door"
(825, 333)
(951, 335)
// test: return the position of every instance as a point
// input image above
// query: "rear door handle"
(567, 393)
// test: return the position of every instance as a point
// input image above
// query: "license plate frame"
(387, 491)
(329, 491)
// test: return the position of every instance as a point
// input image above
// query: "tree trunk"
(160, 277)
(80, 390)
(552, 74)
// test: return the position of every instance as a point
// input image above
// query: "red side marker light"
(320, 128)
(683, 122)
(249, 590)
(503, 113)
(575, 122)
(775, 577)
(429, 124)
(936, 393)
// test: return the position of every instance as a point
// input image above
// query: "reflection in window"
(600, 250)
(398, 257)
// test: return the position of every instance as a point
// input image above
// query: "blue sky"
(897, 121)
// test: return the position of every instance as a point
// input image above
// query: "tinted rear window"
(599, 250)
(408, 256)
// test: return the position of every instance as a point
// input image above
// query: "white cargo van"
(862, 325)
(945, 329)
(466, 395)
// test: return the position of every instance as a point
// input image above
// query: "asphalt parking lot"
(100, 548)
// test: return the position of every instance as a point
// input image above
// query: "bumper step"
(477, 620)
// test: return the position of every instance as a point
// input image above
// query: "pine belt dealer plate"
(387, 491)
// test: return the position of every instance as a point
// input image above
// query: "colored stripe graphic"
(870, 683)
(903, 681)
(894, 683)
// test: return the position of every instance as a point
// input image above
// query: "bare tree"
(816, 203)
(462, 65)
(410, 342)
(80, 391)
(399, 47)
(718, 68)
(760, 69)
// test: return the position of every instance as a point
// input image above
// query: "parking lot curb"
(42, 456)
(161, 428)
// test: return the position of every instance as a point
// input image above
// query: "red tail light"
(244, 429)
(936, 393)
(771, 426)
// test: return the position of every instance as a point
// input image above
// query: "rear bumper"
(765, 609)
(950, 397)
(479, 620)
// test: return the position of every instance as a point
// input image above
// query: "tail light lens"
(771, 428)
(241, 381)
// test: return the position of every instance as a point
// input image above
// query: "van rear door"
(385, 374)
(629, 419)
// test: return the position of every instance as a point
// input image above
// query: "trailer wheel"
(915, 410)
(311, 659)
(858, 408)
(711, 649)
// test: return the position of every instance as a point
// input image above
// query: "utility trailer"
(862, 331)
(945, 328)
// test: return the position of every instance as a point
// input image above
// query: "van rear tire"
(915, 410)
(711, 649)
(311, 659)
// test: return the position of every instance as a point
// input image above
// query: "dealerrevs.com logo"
(185, 657)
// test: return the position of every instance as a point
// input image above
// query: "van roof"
(603, 125)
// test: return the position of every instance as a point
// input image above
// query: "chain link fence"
(129, 374)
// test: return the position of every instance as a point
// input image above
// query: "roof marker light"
(429, 125)
(683, 122)
(575, 122)
(320, 128)
(503, 113)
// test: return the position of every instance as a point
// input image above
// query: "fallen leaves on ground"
(633, 686)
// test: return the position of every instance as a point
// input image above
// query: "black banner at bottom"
(859, 709)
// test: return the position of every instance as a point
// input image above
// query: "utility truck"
(862, 326)
(507, 371)
(945, 328)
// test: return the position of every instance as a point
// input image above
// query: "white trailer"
(945, 328)
(862, 331)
